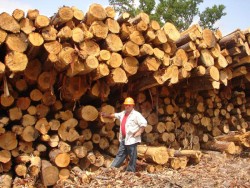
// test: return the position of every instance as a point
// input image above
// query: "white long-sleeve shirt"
(134, 121)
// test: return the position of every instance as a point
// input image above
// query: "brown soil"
(214, 170)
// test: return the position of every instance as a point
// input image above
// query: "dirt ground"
(214, 170)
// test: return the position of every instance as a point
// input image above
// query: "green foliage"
(179, 12)
(124, 6)
(209, 16)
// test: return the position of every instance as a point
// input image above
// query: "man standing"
(132, 125)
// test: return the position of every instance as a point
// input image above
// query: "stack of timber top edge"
(57, 73)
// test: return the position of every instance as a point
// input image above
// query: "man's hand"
(107, 115)
(139, 132)
(104, 114)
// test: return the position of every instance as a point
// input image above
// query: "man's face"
(128, 107)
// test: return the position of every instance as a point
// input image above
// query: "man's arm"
(139, 132)
(107, 115)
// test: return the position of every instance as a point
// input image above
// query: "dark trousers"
(124, 150)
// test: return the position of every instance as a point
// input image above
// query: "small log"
(95, 13)
(49, 173)
(16, 61)
(5, 156)
(117, 76)
(89, 47)
(80, 151)
(64, 174)
(35, 166)
(67, 130)
(171, 32)
(209, 38)
(6, 180)
(74, 87)
(8, 141)
(88, 113)
(206, 58)
(17, 42)
(21, 170)
(63, 15)
(6, 101)
(103, 143)
(59, 158)
(130, 49)
(194, 154)
(179, 162)
(99, 30)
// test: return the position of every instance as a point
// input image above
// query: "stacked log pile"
(57, 73)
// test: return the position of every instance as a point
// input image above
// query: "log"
(130, 65)
(159, 155)
(179, 162)
(16, 61)
(64, 174)
(17, 42)
(5, 156)
(171, 32)
(238, 138)
(130, 49)
(21, 170)
(49, 173)
(88, 113)
(59, 158)
(35, 43)
(8, 141)
(41, 21)
(110, 11)
(117, 76)
(7, 101)
(113, 25)
(194, 154)
(231, 39)
(95, 13)
(35, 166)
(67, 130)
(73, 88)
(6, 180)
(137, 38)
(185, 38)
(209, 38)
(8, 23)
(89, 47)
(63, 15)
(80, 151)
(99, 30)
(206, 58)
(222, 146)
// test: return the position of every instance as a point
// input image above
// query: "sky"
(237, 10)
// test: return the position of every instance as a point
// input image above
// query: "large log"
(159, 155)
(8, 23)
(238, 138)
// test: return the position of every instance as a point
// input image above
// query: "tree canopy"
(179, 12)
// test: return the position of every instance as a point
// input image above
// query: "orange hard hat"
(129, 100)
